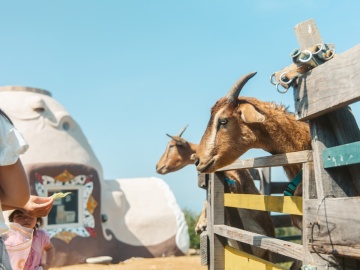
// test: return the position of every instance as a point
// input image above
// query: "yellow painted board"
(282, 204)
(240, 260)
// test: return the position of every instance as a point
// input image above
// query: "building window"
(72, 215)
(66, 211)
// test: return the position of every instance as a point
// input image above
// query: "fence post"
(334, 183)
(265, 180)
(216, 201)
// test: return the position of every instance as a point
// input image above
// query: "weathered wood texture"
(337, 84)
(271, 161)
(336, 181)
(320, 97)
(262, 241)
(347, 131)
(309, 192)
(217, 243)
(204, 248)
(265, 180)
(333, 225)
(203, 180)
(235, 258)
(307, 34)
(261, 174)
(322, 128)
(209, 221)
(282, 204)
(343, 155)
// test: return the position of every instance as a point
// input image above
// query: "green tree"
(191, 219)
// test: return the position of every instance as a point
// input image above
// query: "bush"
(191, 219)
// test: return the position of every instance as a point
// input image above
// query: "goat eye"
(223, 121)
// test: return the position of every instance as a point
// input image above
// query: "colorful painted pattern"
(89, 204)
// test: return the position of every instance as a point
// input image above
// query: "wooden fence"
(262, 178)
(331, 177)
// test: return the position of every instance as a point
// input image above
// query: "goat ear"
(250, 115)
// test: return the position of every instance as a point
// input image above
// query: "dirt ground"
(167, 263)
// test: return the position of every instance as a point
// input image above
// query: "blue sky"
(131, 71)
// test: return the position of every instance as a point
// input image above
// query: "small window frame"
(80, 210)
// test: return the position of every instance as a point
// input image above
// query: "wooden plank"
(209, 221)
(271, 161)
(322, 133)
(307, 187)
(337, 84)
(217, 243)
(342, 155)
(265, 181)
(337, 250)
(254, 173)
(203, 180)
(204, 248)
(232, 218)
(333, 225)
(347, 131)
(282, 204)
(345, 127)
(337, 181)
(286, 248)
(309, 192)
(236, 259)
(264, 176)
(307, 34)
(308, 182)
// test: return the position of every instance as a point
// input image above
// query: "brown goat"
(238, 124)
(178, 155)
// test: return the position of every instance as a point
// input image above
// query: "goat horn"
(235, 90)
(172, 137)
(182, 131)
(177, 139)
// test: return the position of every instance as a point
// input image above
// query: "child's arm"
(15, 192)
(14, 186)
(49, 255)
(35, 207)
